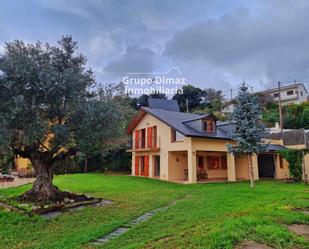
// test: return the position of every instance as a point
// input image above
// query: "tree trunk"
(251, 174)
(43, 190)
(86, 163)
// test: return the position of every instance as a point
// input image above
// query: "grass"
(206, 215)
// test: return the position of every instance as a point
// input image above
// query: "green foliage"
(117, 160)
(6, 161)
(295, 159)
(249, 129)
(47, 90)
(191, 94)
(295, 116)
(199, 99)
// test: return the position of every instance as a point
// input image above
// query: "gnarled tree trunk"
(43, 189)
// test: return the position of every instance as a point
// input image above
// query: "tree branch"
(63, 155)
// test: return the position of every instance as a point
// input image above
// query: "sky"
(213, 43)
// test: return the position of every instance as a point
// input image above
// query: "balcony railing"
(149, 143)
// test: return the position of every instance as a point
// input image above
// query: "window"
(143, 138)
(209, 126)
(213, 162)
(301, 93)
(200, 162)
(216, 162)
(152, 137)
(291, 92)
(176, 136)
(276, 95)
(223, 162)
(142, 158)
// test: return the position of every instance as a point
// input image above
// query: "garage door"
(266, 166)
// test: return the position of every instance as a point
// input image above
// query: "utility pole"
(280, 108)
(231, 93)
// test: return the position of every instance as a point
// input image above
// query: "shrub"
(295, 159)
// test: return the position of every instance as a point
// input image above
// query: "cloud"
(264, 45)
(135, 60)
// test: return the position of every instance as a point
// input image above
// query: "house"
(23, 166)
(290, 94)
(174, 146)
(294, 139)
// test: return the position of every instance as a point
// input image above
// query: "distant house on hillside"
(174, 146)
(290, 94)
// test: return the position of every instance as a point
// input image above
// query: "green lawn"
(205, 216)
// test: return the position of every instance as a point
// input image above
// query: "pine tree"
(249, 129)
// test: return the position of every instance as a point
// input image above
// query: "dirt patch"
(164, 239)
(252, 245)
(300, 229)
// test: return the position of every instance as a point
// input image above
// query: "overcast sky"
(213, 43)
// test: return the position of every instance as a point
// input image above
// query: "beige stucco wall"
(242, 168)
(306, 161)
(22, 165)
(164, 142)
(177, 167)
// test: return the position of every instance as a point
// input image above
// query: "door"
(157, 166)
(136, 165)
(149, 137)
(146, 165)
(266, 166)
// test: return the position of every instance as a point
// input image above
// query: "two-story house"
(171, 145)
(290, 94)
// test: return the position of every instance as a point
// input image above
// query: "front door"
(157, 165)
(266, 166)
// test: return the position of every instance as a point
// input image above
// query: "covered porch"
(201, 166)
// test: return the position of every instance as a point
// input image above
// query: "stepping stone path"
(252, 245)
(123, 229)
(53, 214)
(300, 229)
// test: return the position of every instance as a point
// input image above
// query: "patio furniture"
(202, 175)
(186, 174)
(6, 178)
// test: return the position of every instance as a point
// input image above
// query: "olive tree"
(49, 109)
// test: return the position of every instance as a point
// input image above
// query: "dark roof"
(164, 104)
(291, 137)
(274, 147)
(201, 117)
(177, 121)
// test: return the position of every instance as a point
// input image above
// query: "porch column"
(277, 165)
(255, 167)
(231, 172)
(164, 164)
(192, 165)
(133, 164)
(151, 158)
